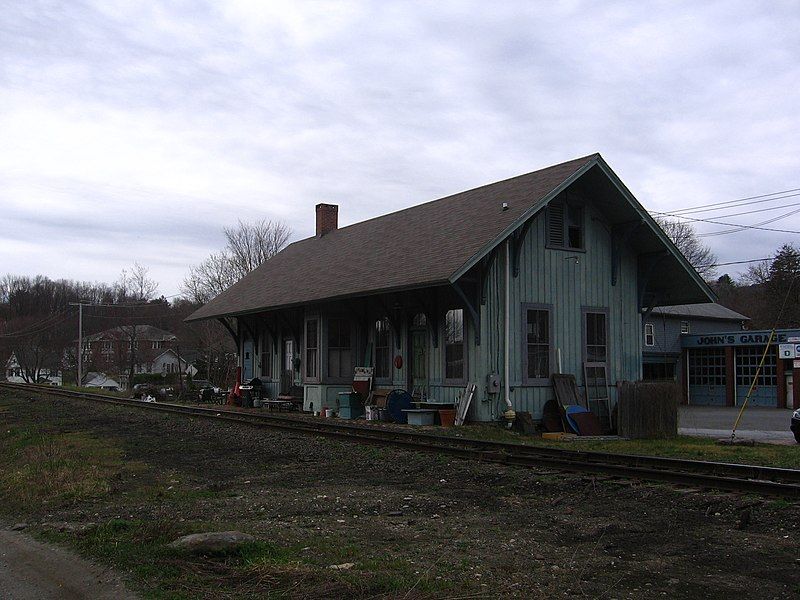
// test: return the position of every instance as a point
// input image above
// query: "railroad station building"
(719, 368)
(502, 285)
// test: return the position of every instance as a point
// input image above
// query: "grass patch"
(50, 468)
(695, 448)
(141, 548)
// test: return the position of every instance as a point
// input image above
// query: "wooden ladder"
(598, 398)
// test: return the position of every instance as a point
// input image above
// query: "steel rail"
(719, 475)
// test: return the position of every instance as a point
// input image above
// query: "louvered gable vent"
(555, 224)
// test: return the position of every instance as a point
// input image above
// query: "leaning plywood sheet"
(566, 389)
(463, 405)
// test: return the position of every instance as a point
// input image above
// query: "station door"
(765, 392)
(707, 376)
(247, 360)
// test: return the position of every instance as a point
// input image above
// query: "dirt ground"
(413, 525)
(32, 570)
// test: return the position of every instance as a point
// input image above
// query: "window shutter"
(555, 224)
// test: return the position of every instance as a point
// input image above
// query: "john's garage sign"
(739, 338)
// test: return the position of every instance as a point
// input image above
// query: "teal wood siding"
(568, 281)
(553, 277)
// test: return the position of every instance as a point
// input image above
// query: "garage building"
(720, 367)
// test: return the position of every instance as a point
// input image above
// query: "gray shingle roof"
(434, 243)
(709, 310)
(415, 247)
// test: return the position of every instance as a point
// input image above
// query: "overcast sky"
(134, 131)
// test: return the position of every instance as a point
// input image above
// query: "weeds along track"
(717, 475)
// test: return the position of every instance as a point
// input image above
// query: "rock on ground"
(213, 542)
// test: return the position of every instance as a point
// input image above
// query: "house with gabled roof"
(152, 351)
(502, 285)
(664, 326)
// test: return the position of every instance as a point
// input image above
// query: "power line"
(739, 226)
(39, 327)
(701, 208)
(740, 262)
(743, 202)
(746, 212)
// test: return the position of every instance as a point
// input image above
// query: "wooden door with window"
(247, 360)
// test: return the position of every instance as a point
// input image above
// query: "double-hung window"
(312, 349)
(596, 336)
(454, 350)
(383, 349)
(537, 340)
(339, 364)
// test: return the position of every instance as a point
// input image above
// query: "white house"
(15, 373)
(101, 381)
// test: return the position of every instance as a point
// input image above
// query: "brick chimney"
(327, 218)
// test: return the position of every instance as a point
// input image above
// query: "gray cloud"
(147, 127)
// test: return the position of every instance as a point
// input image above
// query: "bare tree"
(135, 284)
(248, 246)
(683, 235)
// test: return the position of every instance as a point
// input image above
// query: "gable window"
(266, 357)
(383, 349)
(339, 363)
(454, 371)
(684, 326)
(537, 340)
(595, 336)
(649, 335)
(312, 349)
(565, 225)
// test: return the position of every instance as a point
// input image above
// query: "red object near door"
(398, 362)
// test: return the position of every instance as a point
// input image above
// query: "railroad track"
(717, 475)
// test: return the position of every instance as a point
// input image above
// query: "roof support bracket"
(288, 325)
(229, 328)
(486, 264)
(620, 234)
(517, 239)
(251, 331)
(648, 264)
(474, 310)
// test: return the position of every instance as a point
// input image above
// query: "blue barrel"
(396, 402)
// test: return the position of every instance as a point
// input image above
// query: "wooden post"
(781, 375)
(684, 364)
(730, 377)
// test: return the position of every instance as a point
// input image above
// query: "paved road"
(760, 424)
(30, 570)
